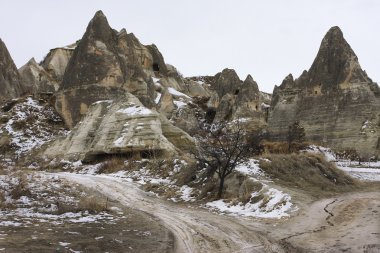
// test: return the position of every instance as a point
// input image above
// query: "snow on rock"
(135, 110)
(29, 125)
(158, 97)
(174, 92)
(179, 104)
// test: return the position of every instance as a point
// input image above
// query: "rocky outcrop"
(237, 100)
(166, 105)
(10, 80)
(56, 61)
(115, 63)
(335, 101)
(124, 127)
(225, 82)
(36, 79)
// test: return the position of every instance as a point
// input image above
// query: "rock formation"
(10, 80)
(232, 99)
(46, 77)
(106, 64)
(124, 127)
(335, 101)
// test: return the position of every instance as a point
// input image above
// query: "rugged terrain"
(98, 143)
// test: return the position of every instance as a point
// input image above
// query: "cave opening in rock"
(156, 67)
(210, 115)
(236, 92)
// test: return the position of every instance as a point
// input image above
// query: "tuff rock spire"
(10, 81)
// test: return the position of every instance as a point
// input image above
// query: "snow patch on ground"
(366, 171)
(250, 168)
(277, 206)
(273, 203)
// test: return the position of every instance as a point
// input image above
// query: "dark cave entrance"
(210, 115)
(156, 67)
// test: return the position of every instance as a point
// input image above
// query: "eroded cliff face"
(115, 63)
(336, 102)
(10, 80)
(121, 127)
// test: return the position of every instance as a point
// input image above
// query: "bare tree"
(222, 147)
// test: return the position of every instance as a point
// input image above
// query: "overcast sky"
(267, 39)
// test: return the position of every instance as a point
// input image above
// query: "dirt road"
(325, 226)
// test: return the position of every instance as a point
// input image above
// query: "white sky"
(267, 39)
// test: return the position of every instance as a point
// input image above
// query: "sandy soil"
(349, 223)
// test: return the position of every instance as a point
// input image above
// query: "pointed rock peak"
(99, 27)
(123, 31)
(289, 77)
(10, 80)
(334, 31)
(228, 71)
(251, 83)
(249, 79)
(287, 82)
(100, 14)
(32, 61)
(335, 63)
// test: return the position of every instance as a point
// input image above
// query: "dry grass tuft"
(113, 165)
(275, 147)
(21, 187)
(91, 204)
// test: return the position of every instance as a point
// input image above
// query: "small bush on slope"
(309, 172)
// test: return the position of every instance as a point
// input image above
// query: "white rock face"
(125, 127)
(56, 61)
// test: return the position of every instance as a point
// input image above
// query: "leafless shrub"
(271, 147)
(19, 124)
(21, 187)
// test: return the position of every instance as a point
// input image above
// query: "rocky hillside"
(335, 100)
(107, 72)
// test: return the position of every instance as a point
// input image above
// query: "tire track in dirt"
(196, 230)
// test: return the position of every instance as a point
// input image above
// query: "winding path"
(197, 230)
